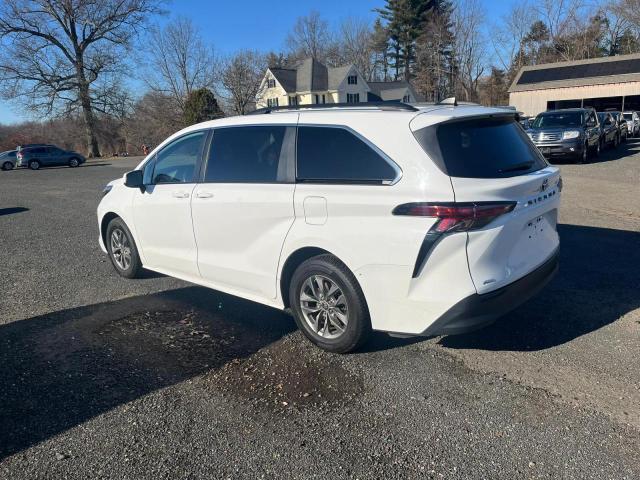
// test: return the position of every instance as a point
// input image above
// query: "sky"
(232, 25)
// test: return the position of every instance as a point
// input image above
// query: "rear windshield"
(481, 148)
(628, 116)
(564, 119)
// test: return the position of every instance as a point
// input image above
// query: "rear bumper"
(477, 311)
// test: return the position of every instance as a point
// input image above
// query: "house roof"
(311, 75)
(336, 76)
(596, 71)
(285, 77)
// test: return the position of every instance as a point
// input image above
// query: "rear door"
(492, 160)
(243, 208)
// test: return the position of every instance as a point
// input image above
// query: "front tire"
(329, 305)
(122, 249)
(74, 162)
(34, 165)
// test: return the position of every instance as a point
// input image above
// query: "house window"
(352, 79)
(405, 99)
(317, 97)
(324, 100)
(272, 102)
(293, 100)
(271, 83)
(353, 97)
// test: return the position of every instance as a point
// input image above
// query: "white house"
(311, 82)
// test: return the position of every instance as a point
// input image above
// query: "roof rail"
(327, 106)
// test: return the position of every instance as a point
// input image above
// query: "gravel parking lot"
(102, 377)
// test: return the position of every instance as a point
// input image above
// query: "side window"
(176, 163)
(327, 154)
(260, 154)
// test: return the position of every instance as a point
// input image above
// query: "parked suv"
(571, 133)
(633, 123)
(610, 135)
(623, 129)
(8, 160)
(47, 156)
(415, 221)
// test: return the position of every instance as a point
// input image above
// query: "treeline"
(74, 77)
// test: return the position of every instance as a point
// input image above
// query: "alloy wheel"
(324, 307)
(120, 248)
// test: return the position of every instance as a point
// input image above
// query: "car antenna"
(449, 101)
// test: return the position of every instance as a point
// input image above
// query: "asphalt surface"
(102, 377)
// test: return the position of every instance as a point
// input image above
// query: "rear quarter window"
(490, 147)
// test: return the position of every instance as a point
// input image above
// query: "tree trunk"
(89, 120)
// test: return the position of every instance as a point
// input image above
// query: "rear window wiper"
(516, 167)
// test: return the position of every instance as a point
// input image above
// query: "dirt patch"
(289, 374)
(184, 341)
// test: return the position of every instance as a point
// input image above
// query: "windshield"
(480, 148)
(628, 116)
(564, 119)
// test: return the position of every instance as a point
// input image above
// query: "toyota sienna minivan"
(427, 220)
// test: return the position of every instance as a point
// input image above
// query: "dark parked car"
(572, 133)
(8, 159)
(622, 125)
(610, 133)
(47, 156)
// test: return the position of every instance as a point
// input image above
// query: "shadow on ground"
(598, 282)
(12, 210)
(61, 369)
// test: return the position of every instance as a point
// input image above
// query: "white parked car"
(409, 220)
(633, 123)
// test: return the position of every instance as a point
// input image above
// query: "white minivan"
(412, 220)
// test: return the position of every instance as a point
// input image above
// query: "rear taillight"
(452, 217)
(456, 217)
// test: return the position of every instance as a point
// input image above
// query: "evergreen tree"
(201, 105)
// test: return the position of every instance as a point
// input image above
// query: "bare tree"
(310, 37)
(55, 50)
(508, 36)
(356, 45)
(469, 46)
(629, 10)
(179, 61)
(242, 74)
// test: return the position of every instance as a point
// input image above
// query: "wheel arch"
(294, 260)
(107, 217)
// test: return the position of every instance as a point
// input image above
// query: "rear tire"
(7, 166)
(34, 165)
(122, 249)
(335, 316)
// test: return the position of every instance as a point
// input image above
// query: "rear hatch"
(490, 160)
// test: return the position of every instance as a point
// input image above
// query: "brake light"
(456, 217)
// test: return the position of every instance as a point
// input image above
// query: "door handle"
(181, 194)
(204, 195)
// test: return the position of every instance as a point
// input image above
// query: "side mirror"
(134, 179)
